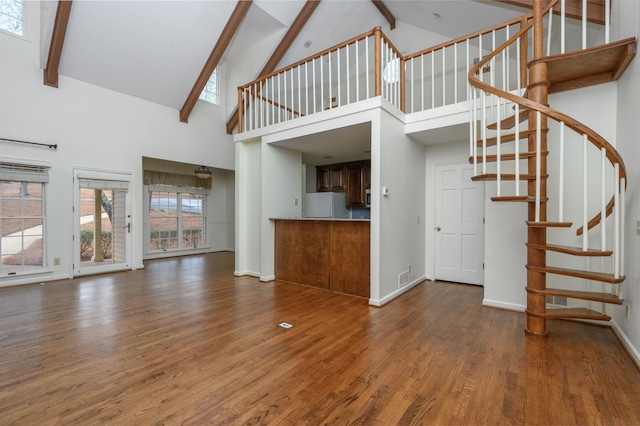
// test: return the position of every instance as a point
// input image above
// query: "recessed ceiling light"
(436, 16)
(307, 43)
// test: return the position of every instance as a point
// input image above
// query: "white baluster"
(321, 84)
(484, 132)
(585, 192)
(562, 25)
(584, 24)
(538, 148)
(306, 90)
(313, 70)
(299, 94)
(444, 84)
(412, 78)
(549, 31)
(517, 149)
(455, 73)
(603, 199)
(561, 178)
(347, 76)
(422, 82)
(616, 221)
(475, 130)
(330, 85)
(433, 82)
(367, 65)
(339, 77)
(518, 66)
(357, 60)
(623, 223)
(607, 21)
(498, 164)
(467, 71)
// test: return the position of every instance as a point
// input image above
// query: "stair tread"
(583, 295)
(505, 176)
(589, 275)
(577, 313)
(583, 68)
(510, 137)
(510, 122)
(533, 224)
(490, 158)
(518, 198)
(576, 251)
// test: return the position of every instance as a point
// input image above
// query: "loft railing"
(370, 65)
(590, 156)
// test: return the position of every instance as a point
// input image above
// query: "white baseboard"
(267, 278)
(33, 279)
(246, 273)
(503, 305)
(388, 298)
(633, 351)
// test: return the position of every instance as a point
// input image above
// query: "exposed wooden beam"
(57, 42)
(385, 12)
(573, 8)
(238, 14)
(281, 49)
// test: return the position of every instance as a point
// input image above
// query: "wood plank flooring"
(186, 342)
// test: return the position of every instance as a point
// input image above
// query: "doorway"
(459, 225)
(102, 218)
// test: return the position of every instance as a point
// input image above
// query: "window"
(210, 92)
(22, 218)
(11, 16)
(177, 220)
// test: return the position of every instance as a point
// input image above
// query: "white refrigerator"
(326, 204)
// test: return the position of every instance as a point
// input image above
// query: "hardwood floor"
(186, 342)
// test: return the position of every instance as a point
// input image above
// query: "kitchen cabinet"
(354, 178)
(355, 185)
(330, 178)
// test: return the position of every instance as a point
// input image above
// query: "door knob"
(438, 228)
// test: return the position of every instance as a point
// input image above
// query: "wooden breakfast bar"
(332, 254)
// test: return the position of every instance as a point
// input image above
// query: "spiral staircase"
(514, 140)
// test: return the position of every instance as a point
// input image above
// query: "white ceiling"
(155, 50)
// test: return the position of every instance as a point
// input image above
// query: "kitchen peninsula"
(332, 254)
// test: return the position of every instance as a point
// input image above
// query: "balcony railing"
(370, 65)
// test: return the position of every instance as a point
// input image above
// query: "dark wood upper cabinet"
(354, 178)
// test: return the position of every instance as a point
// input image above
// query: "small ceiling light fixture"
(436, 16)
(307, 43)
(203, 172)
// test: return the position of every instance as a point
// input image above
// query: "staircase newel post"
(538, 90)
(377, 63)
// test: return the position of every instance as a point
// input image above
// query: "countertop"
(329, 219)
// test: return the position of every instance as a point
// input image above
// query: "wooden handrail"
(612, 155)
(309, 59)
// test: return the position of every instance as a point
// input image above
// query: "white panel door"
(459, 232)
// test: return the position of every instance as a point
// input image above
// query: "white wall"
(281, 198)
(397, 163)
(94, 128)
(626, 23)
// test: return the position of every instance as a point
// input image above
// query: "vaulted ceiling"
(155, 50)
